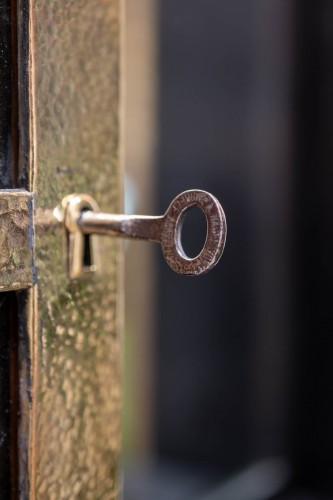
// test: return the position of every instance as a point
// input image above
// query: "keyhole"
(87, 252)
(88, 264)
(194, 231)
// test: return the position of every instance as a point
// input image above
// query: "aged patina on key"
(82, 217)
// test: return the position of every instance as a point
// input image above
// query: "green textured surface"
(70, 407)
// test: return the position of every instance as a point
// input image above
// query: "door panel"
(69, 352)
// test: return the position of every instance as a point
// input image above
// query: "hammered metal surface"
(16, 240)
(71, 411)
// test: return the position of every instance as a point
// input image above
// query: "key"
(82, 216)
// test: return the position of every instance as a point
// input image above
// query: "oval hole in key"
(193, 231)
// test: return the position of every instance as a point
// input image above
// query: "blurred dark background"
(242, 362)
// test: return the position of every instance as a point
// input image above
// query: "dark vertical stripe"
(5, 96)
(13, 395)
(5, 299)
(8, 310)
(14, 93)
(313, 432)
(23, 92)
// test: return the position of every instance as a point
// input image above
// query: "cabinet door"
(60, 344)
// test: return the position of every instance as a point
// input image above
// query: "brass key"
(82, 217)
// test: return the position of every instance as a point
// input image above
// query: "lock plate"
(17, 268)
